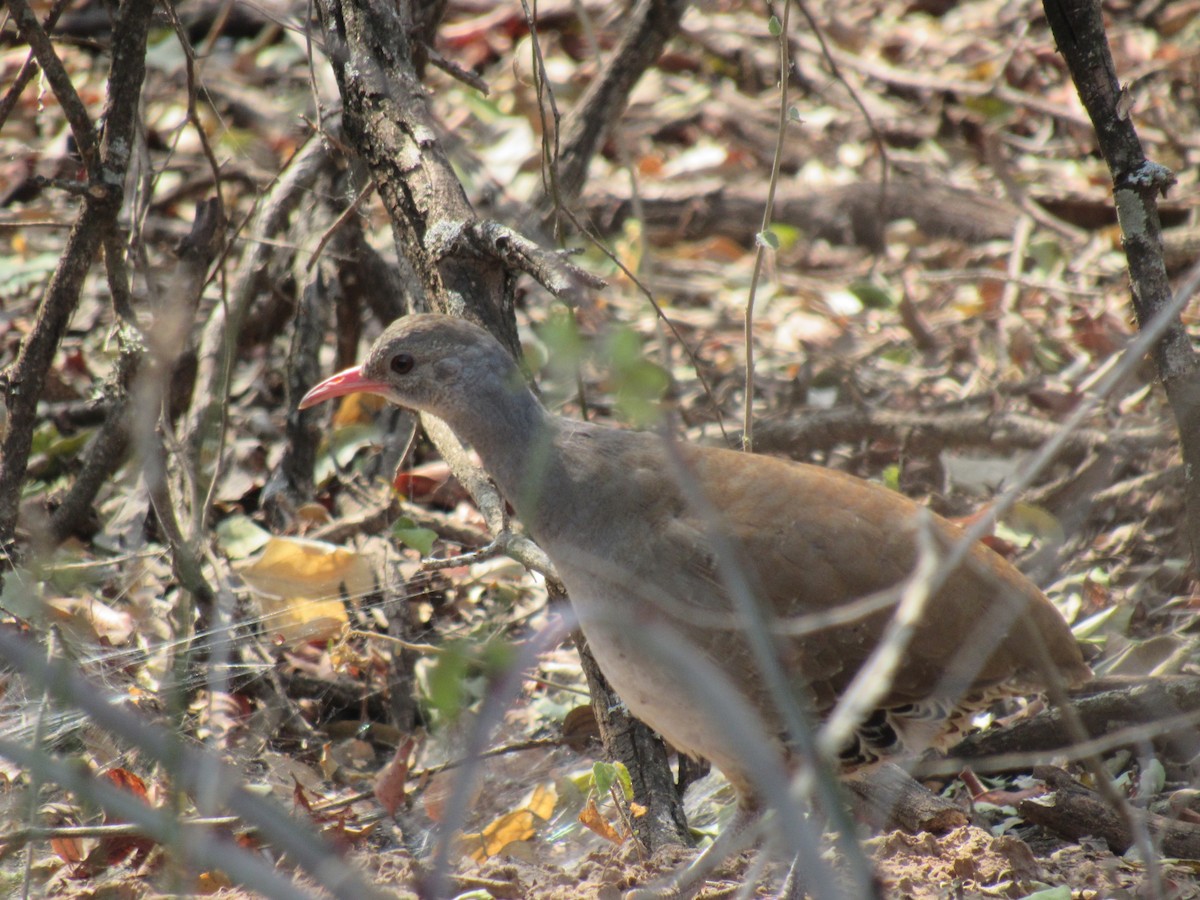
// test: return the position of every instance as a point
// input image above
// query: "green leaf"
(640, 384)
(497, 656)
(891, 476)
(238, 537)
(767, 239)
(774, 26)
(344, 444)
(900, 355)
(1048, 257)
(560, 335)
(788, 235)
(22, 596)
(872, 295)
(1112, 620)
(625, 781)
(604, 775)
(68, 447)
(407, 532)
(447, 680)
(989, 107)
(18, 272)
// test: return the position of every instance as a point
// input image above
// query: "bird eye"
(402, 363)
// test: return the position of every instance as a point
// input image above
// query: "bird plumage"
(638, 558)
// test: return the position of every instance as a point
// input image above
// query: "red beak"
(350, 381)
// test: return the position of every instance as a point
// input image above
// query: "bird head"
(424, 362)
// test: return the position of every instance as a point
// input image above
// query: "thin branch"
(60, 82)
(30, 67)
(760, 243)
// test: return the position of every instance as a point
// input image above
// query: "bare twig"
(29, 68)
(101, 204)
(196, 771)
(60, 82)
(761, 246)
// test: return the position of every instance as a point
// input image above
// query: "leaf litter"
(933, 323)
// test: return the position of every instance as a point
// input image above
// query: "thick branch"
(101, 204)
(1075, 812)
(651, 24)
(462, 264)
(60, 82)
(933, 431)
(1137, 182)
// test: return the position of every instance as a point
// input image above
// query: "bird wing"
(834, 539)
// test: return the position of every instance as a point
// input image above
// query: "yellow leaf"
(541, 802)
(510, 828)
(295, 620)
(357, 409)
(504, 834)
(315, 570)
(299, 585)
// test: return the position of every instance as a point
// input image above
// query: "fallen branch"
(1074, 812)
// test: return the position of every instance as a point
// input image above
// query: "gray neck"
(514, 436)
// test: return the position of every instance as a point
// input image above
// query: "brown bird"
(659, 545)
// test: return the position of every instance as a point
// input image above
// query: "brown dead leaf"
(430, 483)
(718, 248)
(220, 715)
(391, 783)
(1000, 797)
(128, 849)
(593, 821)
(71, 851)
(312, 515)
(346, 836)
(93, 620)
(440, 788)
(579, 728)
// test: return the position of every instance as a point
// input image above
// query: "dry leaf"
(510, 828)
(541, 801)
(212, 882)
(299, 584)
(93, 620)
(579, 728)
(593, 821)
(132, 848)
(391, 783)
(357, 409)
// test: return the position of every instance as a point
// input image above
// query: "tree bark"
(102, 196)
(1137, 182)
(464, 266)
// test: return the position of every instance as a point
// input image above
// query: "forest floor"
(930, 337)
